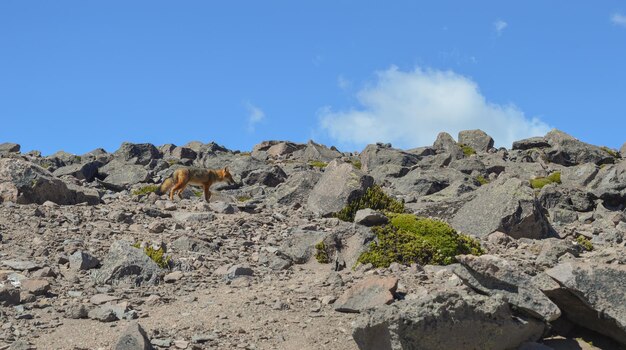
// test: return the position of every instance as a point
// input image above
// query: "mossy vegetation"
(540, 182)
(198, 193)
(585, 243)
(373, 198)
(321, 254)
(467, 150)
(318, 164)
(243, 198)
(157, 255)
(408, 239)
(146, 190)
(356, 163)
(610, 151)
(482, 180)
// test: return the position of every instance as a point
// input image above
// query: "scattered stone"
(127, 263)
(370, 217)
(35, 286)
(82, 260)
(173, 277)
(133, 338)
(369, 293)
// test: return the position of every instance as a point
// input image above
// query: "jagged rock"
(372, 292)
(314, 151)
(82, 260)
(567, 150)
(133, 338)
(579, 176)
(77, 311)
(24, 183)
(469, 166)
(270, 177)
(505, 205)
(137, 153)
(418, 182)
(299, 246)
(121, 174)
(493, 275)
(529, 143)
(9, 295)
(376, 155)
(82, 171)
(35, 286)
(127, 263)
(192, 217)
(296, 189)
(446, 144)
(222, 207)
(20, 265)
(476, 139)
(283, 148)
(622, 150)
(445, 320)
(190, 244)
(370, 217)
(610, 184)
(592, 296)
(341, 184)
(8, 147)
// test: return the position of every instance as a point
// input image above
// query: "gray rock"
(83, 260)
(610, 184)
(299, 245)
(76, 311)
(622, 150)
(579, 176)
(370, 293)
(505, 205)
(20, 265)
(237, 271)
(471, 165)
(493, 275)
(341, 184)
(103, 314)
(8, 147)
(370, 217)
(314, 151)
(567, 150)
(376, 155)
(533, 142)
(283, 149)
(137, 153)
(122, 174)
(592, 296)
(82, 171)
(477, 139)
(270, 177)
(9, 295)
(126, 263)
(24, 183)
(133, 338)
(35, 286)
(444, 320)
(191, 217)
(222, 207)
(296, 189)
(190, 244)
(446, 144)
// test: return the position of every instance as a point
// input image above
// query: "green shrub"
(243, 198)
(198, 193)
(318, 164)
(146, 190)
(611, 152)
(481, 180)
(373, 198)
(157, 255)
(321, 254)
(467, 150)
(356, 163)
(539, 182)
(408, 239)
(585, 243)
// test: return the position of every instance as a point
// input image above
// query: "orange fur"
(197, 176)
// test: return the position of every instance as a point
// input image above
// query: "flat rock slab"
(35, 286)
(186, 216)
(20, 265)
(372, 292)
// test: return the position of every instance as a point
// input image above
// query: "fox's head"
(227, 176)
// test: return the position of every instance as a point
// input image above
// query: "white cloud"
(255, 116)
(410, 108)
(343, 83)
(499, 26)
(618, 19)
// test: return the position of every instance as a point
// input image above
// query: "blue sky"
(76, 75)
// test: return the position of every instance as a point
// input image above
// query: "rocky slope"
(76, 232)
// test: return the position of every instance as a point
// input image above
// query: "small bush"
(408, 239)
(321, 255)
(157, 255)
(539, 182)
(318, 164)
(243, 198)
(467, 150)
(198, 193)
(356, 163)
(373, 198)
(585, 243)
(611, 152)
(146, 190)
(481, 180)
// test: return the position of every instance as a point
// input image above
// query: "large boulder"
(592, 295)
(476, 139)
(610, 184)
(341, 184)
(492, 275)
(567, 150)
(506, 205)
(296, 189)
(529, 143)
(369, 293)
(270, 177)
(125, 263)
(379, 154)
(133, 338)
(9, 147)
(315, 151)
(137, 153)
(23, 182)
(121, 174)
(446, 144)
(83, 171)
(299, 246)
(445, 319)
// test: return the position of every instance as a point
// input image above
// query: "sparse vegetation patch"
(146, 190)
(157, 255)
(467, 150)
(540, 182)
(373, 198)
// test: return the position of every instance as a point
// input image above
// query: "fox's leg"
(178, 187)
(207, 193)
(180, 191)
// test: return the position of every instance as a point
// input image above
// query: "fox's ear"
(226, 168)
